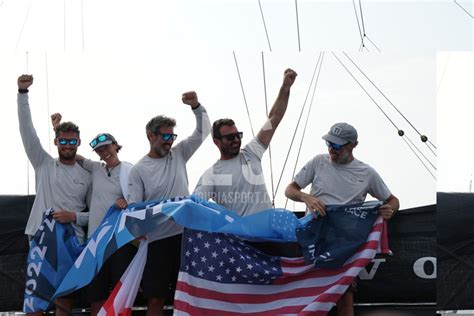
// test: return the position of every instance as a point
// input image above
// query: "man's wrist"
(20, 90)
(195, 107)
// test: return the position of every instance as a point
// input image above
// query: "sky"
(110, 66)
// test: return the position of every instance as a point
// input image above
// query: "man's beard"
(67, 155)
(162, 152)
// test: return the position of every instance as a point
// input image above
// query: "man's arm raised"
(279, 108)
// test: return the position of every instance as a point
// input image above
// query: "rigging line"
(243, 94)
(269, 146)
(47, 99)
(426, 167)
(442, 74)
(264, 26)
(307, 119)
(298, 26)
(23, 26)
(380, 91)
(296, 128)
(82, 23)
(64, 23)
(464, 9)
(358, 24)
(360, 85)
(432, 165)
(362, 17)
(372, 43)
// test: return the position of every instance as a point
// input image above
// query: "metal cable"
(243, 94)
(296, 128)
(386, 98)
(23, 26)
(269, 146)
(298, 26)
(264, 26)
(419, 159)
(467, 12)
(307, 120)
(358, 24)
(360, 85)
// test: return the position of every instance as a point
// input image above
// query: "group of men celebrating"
(71, 183)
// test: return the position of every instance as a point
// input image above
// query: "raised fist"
(289, 77)
(56, 120)
(25, 81)
(190, 98)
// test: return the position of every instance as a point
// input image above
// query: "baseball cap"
(102, 140)
(341, 133)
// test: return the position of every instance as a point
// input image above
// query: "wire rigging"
(423, 138)
(400, 132)
(23, 26)
(361, 27)
(307, 119)
(419, 159)
(64, 23)
(265, 26)
(298, 26)
(269, 145)
(82, 23)
(296, 128)
(243, 94)
(467, 12)
(362, 45)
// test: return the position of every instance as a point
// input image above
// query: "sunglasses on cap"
(100, 139)
(70, 141)
(167, 136)
(231, 137)
(335, 146)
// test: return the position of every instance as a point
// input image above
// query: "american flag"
(222, 275)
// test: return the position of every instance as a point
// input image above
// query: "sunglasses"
(335, 146)
(99, 139)
(231, 137)
(70, 141)
(166, 136)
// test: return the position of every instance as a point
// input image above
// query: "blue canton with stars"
(224, 258)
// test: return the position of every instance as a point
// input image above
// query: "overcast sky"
(112, 65)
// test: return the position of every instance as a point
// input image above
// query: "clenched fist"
(56, 120)
(25, 81)
(190, 98)
(289, 77)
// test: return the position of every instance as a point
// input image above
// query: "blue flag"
(53, 250)
(327, 241)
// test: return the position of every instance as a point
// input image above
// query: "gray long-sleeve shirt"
(58, 186)
(158, 178)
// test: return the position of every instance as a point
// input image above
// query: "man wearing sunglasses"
(61, 184)
(110, 182)
(236, 181)
(339, 178)
(158, 175)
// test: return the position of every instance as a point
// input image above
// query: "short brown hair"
(159, 121)
(216, 126)
(66, 127)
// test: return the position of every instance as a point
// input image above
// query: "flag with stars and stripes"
(221, 274)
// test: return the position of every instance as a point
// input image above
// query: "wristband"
(22, 90)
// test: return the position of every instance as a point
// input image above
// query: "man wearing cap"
(340, 178)
(158, 175)
(110, 182)
(236, 181)
(61, 184)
